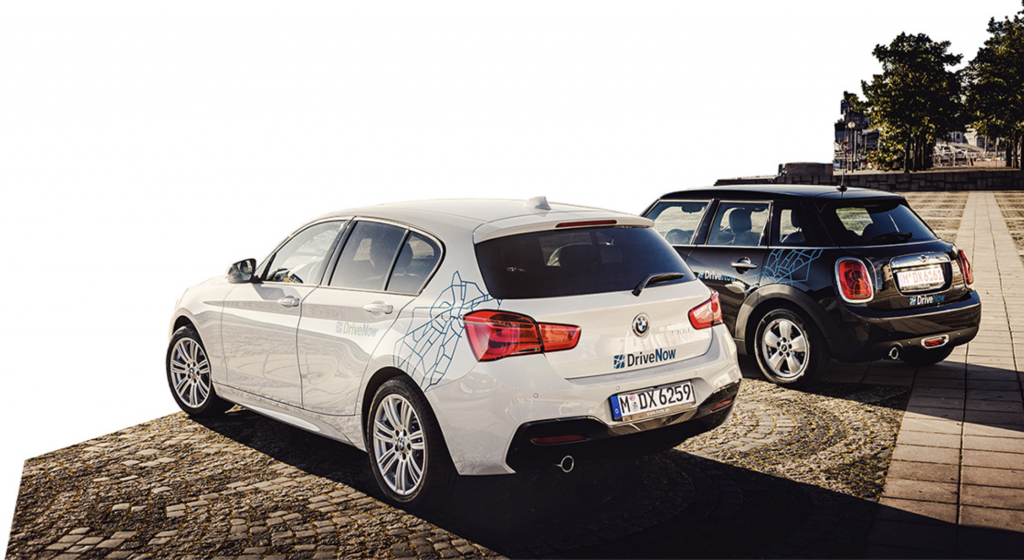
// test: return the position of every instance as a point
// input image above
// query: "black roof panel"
(776, 191)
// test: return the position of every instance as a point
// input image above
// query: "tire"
(921, 357)
(790, 350)
(188, 375)
(416, 470)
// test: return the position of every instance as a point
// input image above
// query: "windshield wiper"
(897, 236)
(656, 279)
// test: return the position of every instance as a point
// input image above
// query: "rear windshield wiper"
(656, 279)
(897, 236)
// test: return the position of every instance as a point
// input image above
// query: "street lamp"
(852, 125)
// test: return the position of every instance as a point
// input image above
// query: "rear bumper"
(603, 441)
(865, 335)
(483, 412)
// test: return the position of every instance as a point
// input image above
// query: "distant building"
(851, 142)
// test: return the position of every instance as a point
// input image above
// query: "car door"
(260, 318)
(730, 259)
(381, 268)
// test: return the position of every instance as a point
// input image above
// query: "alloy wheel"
(398, 444)
(785, 348)
(190, 372)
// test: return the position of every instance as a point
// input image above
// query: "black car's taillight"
(854, 280)
(965, 268)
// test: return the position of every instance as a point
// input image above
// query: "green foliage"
(995, 85)
(914, 101)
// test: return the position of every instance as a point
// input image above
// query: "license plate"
(655, 401)
(922, 277)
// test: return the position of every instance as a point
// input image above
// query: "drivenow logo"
(621, 361)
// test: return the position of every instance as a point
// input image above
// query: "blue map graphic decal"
(428, 350)
(788, 266)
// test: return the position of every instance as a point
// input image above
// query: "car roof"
(777, 191)
(487, 218)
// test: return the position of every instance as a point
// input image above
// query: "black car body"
(810, 273)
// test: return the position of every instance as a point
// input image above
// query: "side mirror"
(241, 272)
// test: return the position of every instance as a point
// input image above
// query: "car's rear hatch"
(909, 266)
(586, 277)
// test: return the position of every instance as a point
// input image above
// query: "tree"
(914, 101)
(995, 86)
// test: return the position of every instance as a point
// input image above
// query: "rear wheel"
(188, 375)
(925, 357)
(790, 351)
(408, 455)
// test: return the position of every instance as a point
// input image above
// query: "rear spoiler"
(556, 220)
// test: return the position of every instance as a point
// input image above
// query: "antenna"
(538, 203)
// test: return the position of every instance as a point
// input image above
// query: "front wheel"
(408, 455)
(790, 350)
(188, 375)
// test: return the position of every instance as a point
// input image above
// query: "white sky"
(146, 146)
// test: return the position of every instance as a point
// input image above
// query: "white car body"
(312, 355)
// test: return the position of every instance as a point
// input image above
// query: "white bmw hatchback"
(470, 337)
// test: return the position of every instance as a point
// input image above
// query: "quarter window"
(415, 262)
(739, 224)
(677, 221)
(368, 256)
(301, 259)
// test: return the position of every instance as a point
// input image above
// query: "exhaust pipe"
(567, 463)
(894, 353)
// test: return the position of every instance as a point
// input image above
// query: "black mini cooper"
(810, 273)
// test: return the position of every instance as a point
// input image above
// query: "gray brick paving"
(960, 451)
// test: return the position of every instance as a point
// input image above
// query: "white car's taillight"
(854, 280)
(707, 314)
(497, 334)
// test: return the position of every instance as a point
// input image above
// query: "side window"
(415, 262)
(301, 259)
(792, 230)
(739, 224)
(677, 221)
(367, 257)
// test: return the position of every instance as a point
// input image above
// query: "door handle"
(379, 307)
(744, 264)
(289, 301)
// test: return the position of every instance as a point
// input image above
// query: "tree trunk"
(906, 155)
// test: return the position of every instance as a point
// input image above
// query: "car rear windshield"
(874, 222)
(576, 262)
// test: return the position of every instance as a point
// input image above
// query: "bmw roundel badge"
(641, 325)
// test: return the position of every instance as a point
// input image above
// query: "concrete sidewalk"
(955, 487)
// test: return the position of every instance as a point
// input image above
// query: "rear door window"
(368, 255)
(677, 220)
(874, 222)
(739, 224)
(575, 262)
(416, 262)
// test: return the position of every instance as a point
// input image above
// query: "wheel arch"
(380, 377)
(772, 297)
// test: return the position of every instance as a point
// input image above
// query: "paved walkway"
(955, 486)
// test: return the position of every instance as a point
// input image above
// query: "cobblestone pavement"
(792, 474)
(1011, 205)
(942, 210)
(798, 471)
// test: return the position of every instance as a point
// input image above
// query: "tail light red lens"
(707, 314)
(965, 268)
(497, 334)
(854, 280)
